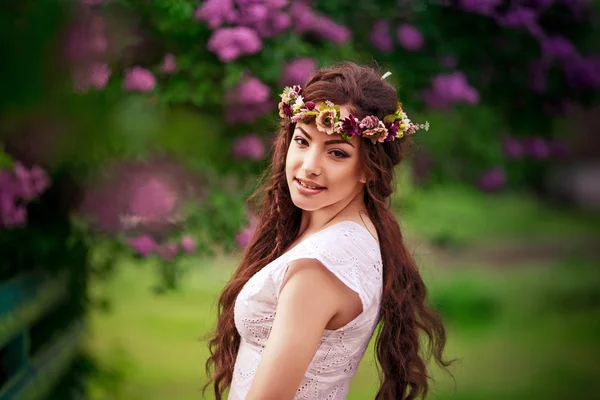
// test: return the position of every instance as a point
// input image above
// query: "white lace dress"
(349, 251)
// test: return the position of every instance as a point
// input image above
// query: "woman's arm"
(310, 297)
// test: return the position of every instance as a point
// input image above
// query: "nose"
(312, 162)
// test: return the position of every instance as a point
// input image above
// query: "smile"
(305, 188)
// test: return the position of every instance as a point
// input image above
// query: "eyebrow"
(333, 141)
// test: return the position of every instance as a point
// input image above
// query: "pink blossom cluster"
(297, 71)
(248, 100)
(580, 71)
(145, 245)
(448, 89)
(250, 147)
(537, 148)
(244, 237)
(85, 47)
(408, 36)
(306, 20)
(492, 180)
(139, 196)
(240, 26)
(17, 188)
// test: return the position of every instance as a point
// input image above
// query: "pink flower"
(144, 245)
(249, 91)
(168, 251)
(169, 66)
(297, 71)
(410, 37)
(152, 200)
(492, 180)
(244, 237)
(230, 43)
(188, 244)
(138, 79)
(380, 36)
(250, 147)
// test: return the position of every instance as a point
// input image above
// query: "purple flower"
(230, 43)
(31, 183)
(237, 114)
(216, 13)
(297, 71)
(168, 66)
(244, 237)
(249, 91)
(513, 148)
(410, 37)
(485, 7)
(167, 251)
(392, 130)
(138, 79)
(558, 48)
(380, 36)
(520, 18)
(152, 200)
(583, 73)
(250, 146)
(447, 89)
(538, 148)
(307, 21)
(492, 180)
(188, 244)
(351, 126)
(95, 75)
(144, 245)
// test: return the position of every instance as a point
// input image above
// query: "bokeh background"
(132, 133)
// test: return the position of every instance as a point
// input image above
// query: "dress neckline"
(312, 235)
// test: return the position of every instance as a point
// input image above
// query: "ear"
(363, 180)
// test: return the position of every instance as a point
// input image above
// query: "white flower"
(298, 104)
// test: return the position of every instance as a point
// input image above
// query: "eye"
(301, 141)
(339, 154)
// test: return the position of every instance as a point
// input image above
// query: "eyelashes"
(336, 153)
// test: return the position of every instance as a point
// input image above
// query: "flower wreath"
(327, 118)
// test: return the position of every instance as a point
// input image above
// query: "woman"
(327, 262)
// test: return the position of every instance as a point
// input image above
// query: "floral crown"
(327, 118)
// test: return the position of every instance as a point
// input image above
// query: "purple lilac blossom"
(558, 48)
(538, 148)
(513, 148)
(485, 7)
(250, 147)
(447, 89)
(583, 73)
(297, 71)
(188, 244)
(169, 66)
(492, 180)
(306, 20)
(216, 13)
(167, 251)
(410, 37)
(138, 79)
(380, 36)
(521, 18)
(153, 200)
(144, 245)
(18, 188)
(230, 43)
(249, 91)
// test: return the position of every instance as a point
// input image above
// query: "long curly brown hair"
(404, 314)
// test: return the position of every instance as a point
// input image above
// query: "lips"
(309, 184)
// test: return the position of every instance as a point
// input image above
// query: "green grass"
(529, 346)
(528, 331)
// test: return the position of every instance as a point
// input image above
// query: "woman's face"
(321, 169)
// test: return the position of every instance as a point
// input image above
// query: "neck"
(314, 221)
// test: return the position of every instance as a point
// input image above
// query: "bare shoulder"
(311, 276)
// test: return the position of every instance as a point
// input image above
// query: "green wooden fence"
(34, 358)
